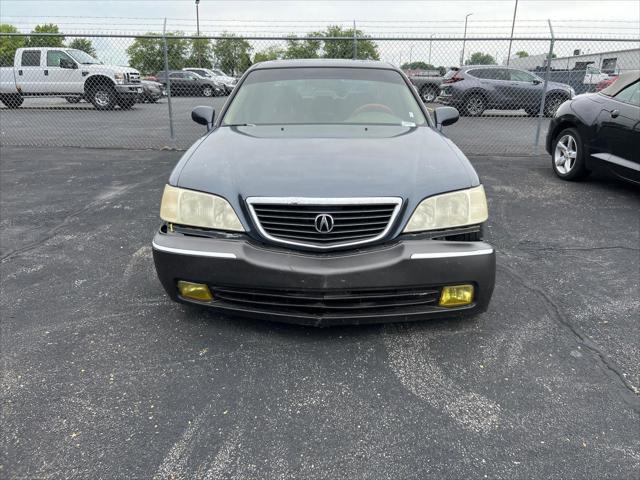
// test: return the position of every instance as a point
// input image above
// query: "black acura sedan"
(323, 194)
(599, 131)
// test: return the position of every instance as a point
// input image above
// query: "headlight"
(455, 209)
(119, 77)
(196, 209)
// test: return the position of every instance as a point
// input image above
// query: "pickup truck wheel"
(474, 105)
(126, 103)
(207, 91)
(11, 101)
(103, 97)
(428, 94)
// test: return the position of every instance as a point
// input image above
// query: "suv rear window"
(31, 58)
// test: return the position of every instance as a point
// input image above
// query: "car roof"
(623, 81)
(323, 62)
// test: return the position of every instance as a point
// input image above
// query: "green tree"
(417, 66)
(9, 45)
(302, 48)
(232, 53)
(272, 53)
(47, 41)
(147, 54)
(200, 53)
(479, 58)
(522, 54)
(366, 49)
(83, 44)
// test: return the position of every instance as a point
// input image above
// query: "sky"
(592, 18)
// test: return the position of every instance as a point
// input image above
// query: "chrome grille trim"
(253, 202)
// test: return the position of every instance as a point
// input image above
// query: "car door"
(192, 85)
(177, 83)
(619, 122)
(525, 89)
(496, 82)
(62, 72)
(30, 77)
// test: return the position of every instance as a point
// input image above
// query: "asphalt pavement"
(55, 122)
(104, 377)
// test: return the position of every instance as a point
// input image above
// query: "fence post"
(544, 90)
(355, 42)
(172, 137)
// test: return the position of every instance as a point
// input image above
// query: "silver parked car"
(226, 81)
(473, 89)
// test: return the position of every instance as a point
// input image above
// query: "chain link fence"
(137, 91)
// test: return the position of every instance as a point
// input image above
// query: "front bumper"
(259, 274)
(129, 90)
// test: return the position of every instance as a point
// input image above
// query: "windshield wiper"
(239, 125)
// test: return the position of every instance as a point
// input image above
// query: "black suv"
(474, 89)
(189, 83)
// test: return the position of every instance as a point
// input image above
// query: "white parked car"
(216, 75)
(68, 73)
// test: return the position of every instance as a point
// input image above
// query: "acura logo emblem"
(324, 223)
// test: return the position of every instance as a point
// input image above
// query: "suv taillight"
(453, 79)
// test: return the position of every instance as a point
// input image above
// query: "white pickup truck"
(68, 73)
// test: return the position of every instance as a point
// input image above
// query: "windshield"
(324, 96)
(220, 73)
(83, 57)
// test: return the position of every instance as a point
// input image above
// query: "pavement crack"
(630, 393)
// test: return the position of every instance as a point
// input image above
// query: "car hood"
(108, 68)
(557, 86)
(324, 161)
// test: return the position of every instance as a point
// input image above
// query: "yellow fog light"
(195, 291)
(456, 296)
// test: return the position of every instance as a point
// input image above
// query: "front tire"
(12, 101)
(428, 94)
(474, 105)
(552, 104)
(568, 155)
(103, 97)
(207, 91)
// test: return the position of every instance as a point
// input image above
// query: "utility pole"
(464, 38)
(197, 18)
(197, 45)
(513, 24)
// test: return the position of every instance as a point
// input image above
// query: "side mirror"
(65, 63)
(445, 116)
(204, 116)
(537, 81)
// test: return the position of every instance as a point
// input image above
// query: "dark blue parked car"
(324, 193)
(476, 88)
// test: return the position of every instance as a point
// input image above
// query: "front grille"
(355, 302)
(133, 78)
(300, 221)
